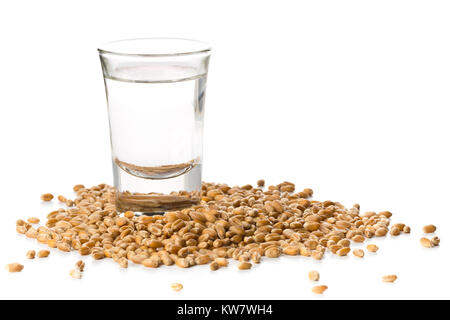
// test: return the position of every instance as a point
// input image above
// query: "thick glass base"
(155, 196)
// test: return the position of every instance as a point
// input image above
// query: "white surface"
(350, 98)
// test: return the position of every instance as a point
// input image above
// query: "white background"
(350, 98)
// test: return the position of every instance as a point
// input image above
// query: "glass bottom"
(156, 196)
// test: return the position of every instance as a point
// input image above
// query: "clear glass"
(155, 90)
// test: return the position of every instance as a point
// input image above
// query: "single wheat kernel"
(84, 250)
(182, 263)
(369, 233)
(31, 254)
(14, 267)
(123, 262)
(429, 228)
(358, 253)
(32, 233)
(319, 289)
(256, 257)
(291, 250)
(314, 276)
(120, 222)
(20, 222)
(426, 243)
(21, 229)
(272, 252)
(335, 248)
(176, 286)
(98, 255)
(167, 260)
(33, 220)
(244, 257)
(287, 188)
(222, 262)
(435, 241)
(399, 226)
(63, 246)
(389, 278)
(381, 232)
(305, 252)
(129, 214)
(317, 255)
(62, 199)
(407, 229)
(395, 231)
(78, 187)
(344, 243)
(358, 238)
(43, 254)
(372, 248)
(311, 226)
(368, 214)
(46, 197)
(244, 265)
(387, 214)
(75, 273)
(343, 251)
(344, 225)
(150, 263)
(214, 266)
(52, 243)
(205, 259)
(80, 265)
(261, 183)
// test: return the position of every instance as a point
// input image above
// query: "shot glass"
(155, 90)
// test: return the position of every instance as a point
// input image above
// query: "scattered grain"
(358, 253)
(43, 254)
(129, 214)
(386, 214)
(14, 267)
(75, 273)
(426, 243)
(31, 254)
(243, 223)
(381, 232)
(429, 228)
(343, 251)
(78, 187)
(244, 265)
(435, 241)
(33, 220)
(176, 286)
(222, 262)
(47, 197)
(214, 266)
(319, 289)
(314, 276)
(80, 265)
(358, 238)
(389, 278)
(395, 231)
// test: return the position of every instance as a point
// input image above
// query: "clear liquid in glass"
(156, 138)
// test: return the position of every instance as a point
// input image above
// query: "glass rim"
(203, 47)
